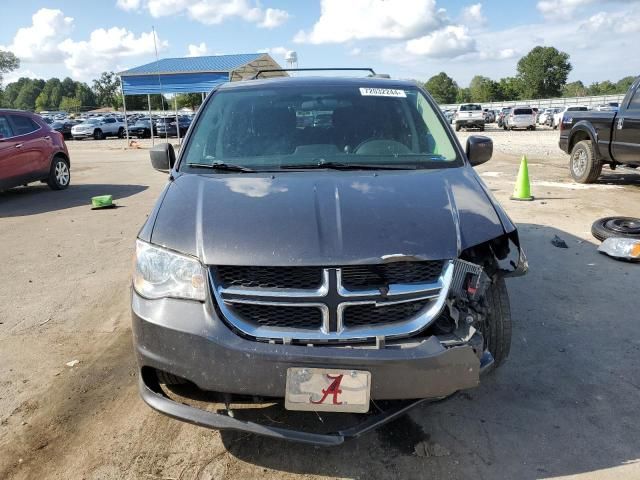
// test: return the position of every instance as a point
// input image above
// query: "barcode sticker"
(382, 92)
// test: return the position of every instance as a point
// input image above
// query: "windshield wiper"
(222, 166)
(346, 166)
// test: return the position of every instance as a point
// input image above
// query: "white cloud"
(214, 12)
(341, 21)
(504, 54)
(128, 5)
(472, 15)
(105, 48)
(38, 43)
(564, 9)
(273, 18)
(355, 51)
(197, 50)
(275, 51)
(622, 22)
(448, 42)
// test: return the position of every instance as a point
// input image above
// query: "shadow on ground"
(35, 199)
(565, 402)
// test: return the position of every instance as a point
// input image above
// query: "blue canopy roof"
(183, 75)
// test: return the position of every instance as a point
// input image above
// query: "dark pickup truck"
(597, 138)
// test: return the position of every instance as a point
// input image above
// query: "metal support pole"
(124, 108)
(202, 97)
(150, 119)
(175, 104)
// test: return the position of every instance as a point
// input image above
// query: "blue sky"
(406, 38)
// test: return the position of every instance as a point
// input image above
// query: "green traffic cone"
(522, 190)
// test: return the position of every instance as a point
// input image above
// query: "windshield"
(92, 121)
(270, 128)
(470, 108)
(523, 111)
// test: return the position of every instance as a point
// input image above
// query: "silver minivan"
(520, 117)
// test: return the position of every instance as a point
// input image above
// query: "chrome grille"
(367, 315)
(356, 277)
(270, 277)
(349, 303)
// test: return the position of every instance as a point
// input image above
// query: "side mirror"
(479, 149)
(163, 157)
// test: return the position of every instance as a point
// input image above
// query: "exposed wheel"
(169, 379)
(533, 128)
(505, 127)
(496, 328)
(482, 128)
(457, 127)
(97, 134)
(584, 166)
(60, 174)
(627, 227)
(121, 132)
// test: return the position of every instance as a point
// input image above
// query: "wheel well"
(63, 156)
(578, 137)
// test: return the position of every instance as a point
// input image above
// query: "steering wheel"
(376, 146)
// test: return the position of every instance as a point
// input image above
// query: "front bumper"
(187, 339)
(83, 134)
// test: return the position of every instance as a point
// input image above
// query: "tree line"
(542, 73)
(74, 97)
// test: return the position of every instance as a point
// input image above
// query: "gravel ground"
(563, 406)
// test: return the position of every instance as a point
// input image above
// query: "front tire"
(121, 132)
(457, 127)
(98, 135)
(496, 328)
(60, 174)
(584, 165)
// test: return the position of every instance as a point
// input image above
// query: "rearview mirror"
(163, 157)
(479, 149)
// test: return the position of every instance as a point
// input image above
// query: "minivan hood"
(325, 217)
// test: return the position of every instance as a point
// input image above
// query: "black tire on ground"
(60, 174)
(505, 127)
(121, 132)
(457, 127)
(97, 134)
(169, 379)
(584, 165)
(533, 128)
(482, 128)
(497, 326)
(627, 227)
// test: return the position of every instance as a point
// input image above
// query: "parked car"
(595, 139)
(501, 114)
(520, 117)
(469, 115)
(608, 107)
(166, 126)
(544, 115)
(142, 128)
(31, 151)
(64, 127)
(488, 116)
(98, 128)
(321, 267)
(557, 117)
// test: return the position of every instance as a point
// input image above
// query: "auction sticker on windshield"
(382, 92)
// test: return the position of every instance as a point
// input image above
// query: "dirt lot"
(565, 405)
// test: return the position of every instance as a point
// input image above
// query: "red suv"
(31, 151)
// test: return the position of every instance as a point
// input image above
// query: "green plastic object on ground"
(102, 201)
(522, 190)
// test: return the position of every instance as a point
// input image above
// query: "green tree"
(67, 88)
(543, 72)
(8, 63)
(70, 104)
(510, 88)
(463, 96)
(84, 95)
(191, 100)
(107, 90)
(624, 84)
(602, 88)
(26, 99)
(442, 88)
(483, 89)
(574, 89)
(50, 96)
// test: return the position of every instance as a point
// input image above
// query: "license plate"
(327, 390)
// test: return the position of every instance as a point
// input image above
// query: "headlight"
(160, 273)
(619, 247)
